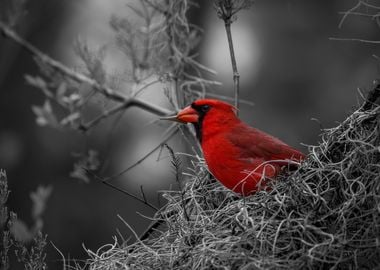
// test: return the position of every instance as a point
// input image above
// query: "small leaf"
(45, 115)
(97, 71)
(70, 118)
(39, 198)
(35, 81)
(72, 99)
(90, 161)
(39, 83)
(80, 173)
(20, 231)
(61, 90)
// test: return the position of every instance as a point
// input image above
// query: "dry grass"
(325, 215)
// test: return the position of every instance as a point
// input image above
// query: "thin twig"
(176, 165)
(145, 87)
(347, 13)
(142, 193)
(105, 182)
(169, 135)
(129, 194)
(86, 126)
(132, 102)
(236, 75)
(61, 254)
(150, 229)
(225, 12)
(356, 40)
(156, 223)
(133, 231)
(172, 56)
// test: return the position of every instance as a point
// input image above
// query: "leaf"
(61, 90)
(20, 231)
(45, 115)
(39, 83)
(72, 99)
(35, 81)
(39, 198)
(80, 173)
(97, 71)
(90, 161)
(70, 118)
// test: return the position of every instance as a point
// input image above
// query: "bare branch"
(236, 75)
(356, 40)
(171, 131)
(81, 78)
(226, 10)
(104, 181)
(132, 102)
(85, 127)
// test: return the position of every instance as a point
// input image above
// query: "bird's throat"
(198, 129)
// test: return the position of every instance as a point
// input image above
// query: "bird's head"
(211, 113)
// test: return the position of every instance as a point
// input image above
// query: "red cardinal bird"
(241, 157)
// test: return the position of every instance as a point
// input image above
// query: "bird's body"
(241, 157)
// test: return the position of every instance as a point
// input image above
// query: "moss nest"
(325, 215)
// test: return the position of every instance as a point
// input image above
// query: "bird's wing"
(254, 143)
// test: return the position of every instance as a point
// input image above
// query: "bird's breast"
(237, 172)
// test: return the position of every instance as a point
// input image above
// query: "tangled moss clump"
(325, 215)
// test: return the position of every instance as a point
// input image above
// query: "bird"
(244, 159)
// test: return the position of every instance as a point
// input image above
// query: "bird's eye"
(205, 108)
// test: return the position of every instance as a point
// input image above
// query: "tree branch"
(131, 102)
(81, 78)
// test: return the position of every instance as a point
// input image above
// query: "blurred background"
(289, 69)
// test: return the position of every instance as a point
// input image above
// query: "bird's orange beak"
(187, 115)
